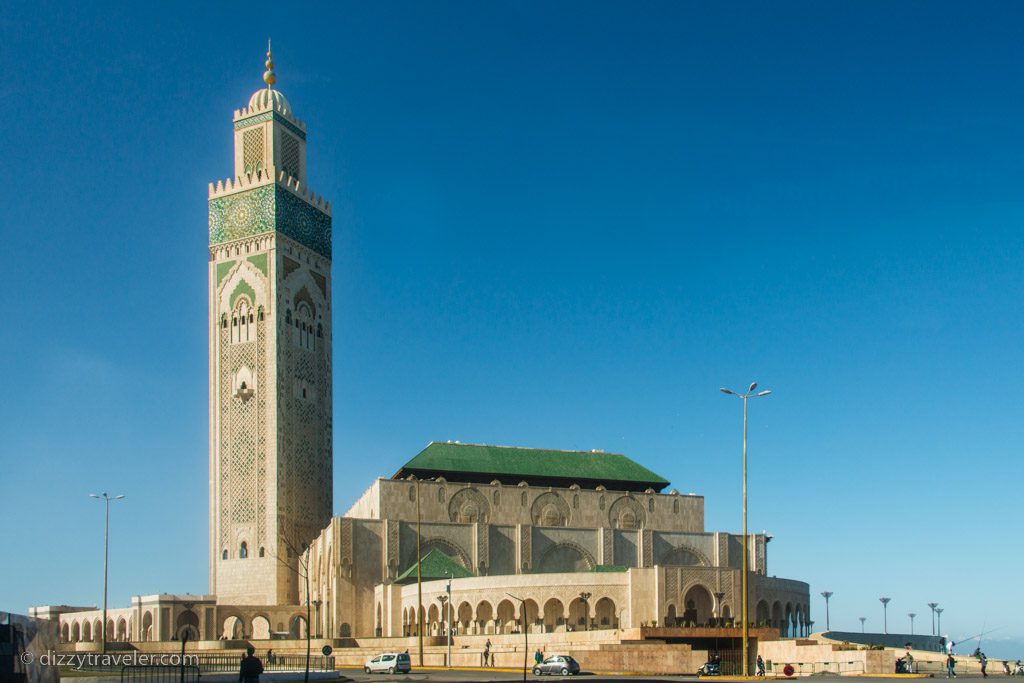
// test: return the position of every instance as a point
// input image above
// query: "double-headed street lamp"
(826, 595)
(746, 623)
(933, 605)
(885, 614)
(106, 554)
(584, 596)
(526, 637)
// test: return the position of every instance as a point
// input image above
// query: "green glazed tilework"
(243, 288)
(266, 116)
(223, 268)
(260, 261)
(265, 209)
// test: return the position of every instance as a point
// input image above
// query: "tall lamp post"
(106, 554)
(885, 614)
(933, 605)
(746, 623)
(445, 619)
(526, 637)
(826, 595)
(719, 596)
(938, 613)
(911, 615)
(585, 596)
(862, 620)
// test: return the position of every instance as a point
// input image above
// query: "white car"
(389, 662)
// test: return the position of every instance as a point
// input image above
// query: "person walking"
(950, 663)
(760, 666)
(487, 652)
(984, 664)
(251, 667)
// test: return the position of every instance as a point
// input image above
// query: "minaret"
(270, 358)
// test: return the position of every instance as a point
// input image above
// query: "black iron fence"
(159, 674)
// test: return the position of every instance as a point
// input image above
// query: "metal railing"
(159, 674)
(838, 667)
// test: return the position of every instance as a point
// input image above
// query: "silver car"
(562, 665)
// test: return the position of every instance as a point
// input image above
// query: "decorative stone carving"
(627, 513)
(468, 506)
(549, 509)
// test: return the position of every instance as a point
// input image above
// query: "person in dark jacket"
(251, 667)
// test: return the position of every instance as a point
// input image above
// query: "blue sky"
(556, 224)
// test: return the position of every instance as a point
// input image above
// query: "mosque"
(585, 541)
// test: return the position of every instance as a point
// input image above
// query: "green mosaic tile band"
(266, 209)
(266, 116)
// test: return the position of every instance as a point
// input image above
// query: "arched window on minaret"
(243, 322)
(304, 323)
(243, 551)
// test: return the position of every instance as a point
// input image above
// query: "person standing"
(487, 652)
(537, 657)
(950, 663)
(251, 667)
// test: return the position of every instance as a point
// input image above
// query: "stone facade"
(645, 558)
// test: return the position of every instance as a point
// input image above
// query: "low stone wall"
(811, 657)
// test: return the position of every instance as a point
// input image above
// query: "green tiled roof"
(435, 565)
(530, 463)
(609, 568)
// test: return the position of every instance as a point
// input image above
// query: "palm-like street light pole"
(938, 612)
(862, 620)
(106, 554)
(746, 623)
(911, 615)
(933, 605)
(826, 595)
(885, 614)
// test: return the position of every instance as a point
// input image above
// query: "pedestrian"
(1006, 667)
(984, 663)
(251, 667)
(760, 666)
(950, 663)
(488, 661)
(538, 657)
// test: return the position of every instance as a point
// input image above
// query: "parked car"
(390, 662)
(563, 665)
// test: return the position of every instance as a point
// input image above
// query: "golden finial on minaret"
(268, 76)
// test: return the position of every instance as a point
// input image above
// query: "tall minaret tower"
(270, 358)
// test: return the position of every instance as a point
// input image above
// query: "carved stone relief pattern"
(468, 506)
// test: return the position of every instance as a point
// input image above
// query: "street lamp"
(718, 604)
(106, 554)
(446, 620)
(526, 637)
(584, 596)
(938, 612)
(862, 620)
(826, 595)
(451, 613)
(885, 614)
(746, 623)
(933, 605)
(911, 615)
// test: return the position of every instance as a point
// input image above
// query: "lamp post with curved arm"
(746, 623)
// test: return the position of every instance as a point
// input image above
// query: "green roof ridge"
(532, 462)
(435, 565)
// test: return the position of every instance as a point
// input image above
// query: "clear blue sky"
(556, 224)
